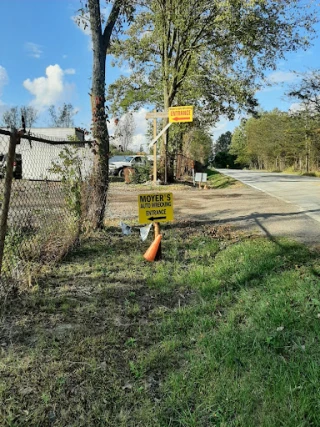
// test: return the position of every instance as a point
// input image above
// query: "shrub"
(141, 173)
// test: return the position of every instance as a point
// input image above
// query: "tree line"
(27, 116)
(278, 140)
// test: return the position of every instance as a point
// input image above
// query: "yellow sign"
(157, 207)
(181, 114)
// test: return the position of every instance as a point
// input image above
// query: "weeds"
(141, 173)
(45, 222)
(223, 331)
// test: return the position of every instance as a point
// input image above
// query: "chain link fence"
(40, 190)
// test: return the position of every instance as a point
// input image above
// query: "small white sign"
(201, 177)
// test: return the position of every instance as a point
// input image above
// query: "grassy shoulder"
(223, 331)
(315, 174)
(219, 181)
(291, 171)
(215, 180)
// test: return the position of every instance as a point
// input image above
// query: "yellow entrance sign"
(181, 114)
(156, 207)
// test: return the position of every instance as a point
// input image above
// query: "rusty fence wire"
(42, 222)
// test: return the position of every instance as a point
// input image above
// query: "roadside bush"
(141, 173)
(69, 169)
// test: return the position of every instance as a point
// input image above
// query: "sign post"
(155, 115)
(182, 114)
(155, 208)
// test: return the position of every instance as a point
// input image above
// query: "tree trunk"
(166, 134)
(99, 178)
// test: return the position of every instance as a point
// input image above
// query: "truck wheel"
(120, 173)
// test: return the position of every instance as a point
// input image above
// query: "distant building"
(38, 157)
(61, 133)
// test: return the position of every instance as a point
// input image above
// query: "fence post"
(7, 191)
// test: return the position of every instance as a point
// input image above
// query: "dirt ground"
(240, 206)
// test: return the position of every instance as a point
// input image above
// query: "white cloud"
(82, 22)
(4, 79)
(139, 141)
(219, 128)
(49, 89)
(296, 106)
(33, 49)
(141, 121)
(3, 108)
(70, 71)
(64, 56)
(300, 106)
(139, 136)
(281, 77)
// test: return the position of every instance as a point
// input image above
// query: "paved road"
(300, 191)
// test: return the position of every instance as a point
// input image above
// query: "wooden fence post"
(7, 191)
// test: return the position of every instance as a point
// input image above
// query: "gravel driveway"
(239, 205)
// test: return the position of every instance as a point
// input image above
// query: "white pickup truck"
(118, 163)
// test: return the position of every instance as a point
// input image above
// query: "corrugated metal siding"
(37, 157)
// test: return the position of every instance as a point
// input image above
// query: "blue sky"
(46, 59)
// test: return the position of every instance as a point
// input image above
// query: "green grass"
(224, 331)
(217, 180)
(292, 171)
(315, 174)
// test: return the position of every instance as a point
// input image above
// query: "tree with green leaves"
(304, 134)
(306, 118)
(238, 146)
(221, 156)
(197, 145)
(205, 52)
(223, 142)
(277, 140)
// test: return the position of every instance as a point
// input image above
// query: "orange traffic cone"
(153, 249)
